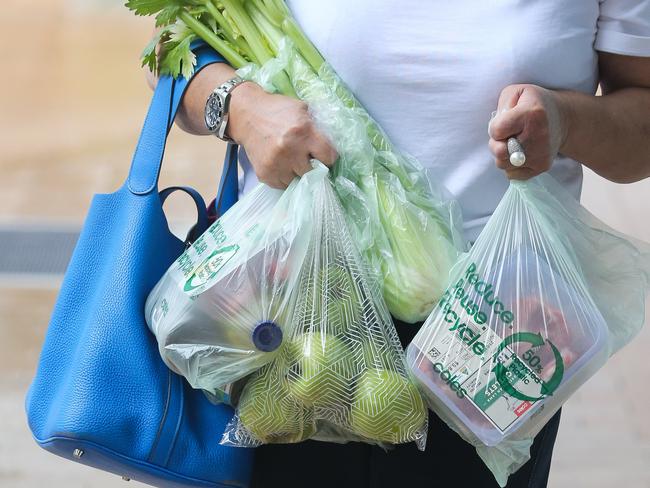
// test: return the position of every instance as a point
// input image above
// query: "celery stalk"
(281, 7)
(277, 12)
(221, 46)
(268, 13)
(272, 34)
(221, 21)
(228, 32)
(255, 40)
(304, 45)
(248, 29)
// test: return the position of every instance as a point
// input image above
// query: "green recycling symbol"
(548, 387)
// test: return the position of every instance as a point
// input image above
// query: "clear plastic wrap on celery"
(405, 227)
(340, 374)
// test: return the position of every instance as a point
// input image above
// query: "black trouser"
(448, 461)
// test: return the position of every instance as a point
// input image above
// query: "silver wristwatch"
(217, 107)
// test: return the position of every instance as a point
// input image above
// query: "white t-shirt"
(430, 72)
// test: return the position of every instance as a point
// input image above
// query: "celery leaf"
(150, 7)
(149, 55)
(178, 58)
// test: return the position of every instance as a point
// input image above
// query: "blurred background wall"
(72, 101)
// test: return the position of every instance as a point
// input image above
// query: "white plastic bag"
(220, 311)
(546, 294)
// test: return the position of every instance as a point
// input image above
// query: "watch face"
(213, 112)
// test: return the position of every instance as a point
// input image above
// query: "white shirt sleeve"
(624, 27)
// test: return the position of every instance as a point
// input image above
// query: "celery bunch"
(401, 224)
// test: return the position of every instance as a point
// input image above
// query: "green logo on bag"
(519, 369)
(205, 271)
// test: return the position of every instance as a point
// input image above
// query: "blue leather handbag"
(102, 395)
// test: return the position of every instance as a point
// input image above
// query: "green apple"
(339, 282)
(341, 315)
(343, 307)
(332, 299)
(307, 429)
(323, 369)
(267, 412)
(382, 353)
(387, 407)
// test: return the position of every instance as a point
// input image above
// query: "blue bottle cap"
(267, 336)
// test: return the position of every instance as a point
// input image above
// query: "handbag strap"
(147, 160)
(202, 221)
(228, 191)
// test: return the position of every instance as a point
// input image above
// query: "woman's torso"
(430, 72)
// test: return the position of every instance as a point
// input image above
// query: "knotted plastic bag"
(544, 297)
(340, 373)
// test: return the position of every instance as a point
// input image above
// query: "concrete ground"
(72, 103)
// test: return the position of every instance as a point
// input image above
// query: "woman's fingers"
(523, 173)
(499, 150)
(302, 166)
(322, 149)
(509, 97)
(507, 124)
(280, 138)
(531, 114)
(286, 180)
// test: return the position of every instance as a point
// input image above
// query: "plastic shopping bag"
(406, 227)
(221, 310)
(544, 297)
(277, 283)
(340, 373)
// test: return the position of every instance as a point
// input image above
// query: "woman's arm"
(609, 134)
(277, 132)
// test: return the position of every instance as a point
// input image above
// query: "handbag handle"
(202, 222)
(147, 160)
(228, 192)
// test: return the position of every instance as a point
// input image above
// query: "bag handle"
(228, 192)
(202, 221)
(147, 160)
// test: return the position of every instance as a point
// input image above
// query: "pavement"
(75, 83)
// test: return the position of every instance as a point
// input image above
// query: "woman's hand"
(278, 134)
(536, 117)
